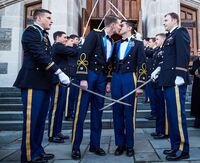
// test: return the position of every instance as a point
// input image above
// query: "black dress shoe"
(39, 160)
(178, 156)
(69, 118)
(56, 139)
(130, 152)
(120, 150)
(47, 156)
(169, 152)
(161, 136)
(60, 135)
(76, 154)
(97, 151)
(154, 134)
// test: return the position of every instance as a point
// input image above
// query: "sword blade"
(102, 96)
(123, 97)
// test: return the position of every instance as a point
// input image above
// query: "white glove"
(155, 73)
(82, 40)
(64, 79)
(179, 81)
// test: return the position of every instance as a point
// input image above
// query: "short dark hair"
(73, 36)
(58, 34)
(110, 19)
(39, 12)
(146, 38)
(173, 15)
(130, 23)
(161, 34)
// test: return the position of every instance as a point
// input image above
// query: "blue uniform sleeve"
(182, 52)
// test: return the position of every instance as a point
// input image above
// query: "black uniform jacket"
(37, 68)
(176, 56)
(134, 60)
(93, 55)
(62, 56)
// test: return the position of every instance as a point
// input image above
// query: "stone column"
(66, 15)
(153, 14)
(11, 28)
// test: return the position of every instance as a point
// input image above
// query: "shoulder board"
(97, 30)
(37, 30)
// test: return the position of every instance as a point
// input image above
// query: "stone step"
(107, 114)
(106, 124)
(10, 94)
(9, 89)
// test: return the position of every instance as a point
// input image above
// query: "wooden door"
(129, 8)
(29, 10)
(189, 20)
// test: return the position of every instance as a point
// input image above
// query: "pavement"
(147, 150)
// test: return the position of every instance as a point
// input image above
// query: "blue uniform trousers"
(151, 96)
(124, 116)
(96, 83)
(72, 98)
(56, 111)
(175, 101)
(158, 102)
(35, 108)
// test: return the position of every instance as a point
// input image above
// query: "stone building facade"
(68, 16)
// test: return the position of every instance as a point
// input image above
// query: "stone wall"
(11, 27)
(153, 12)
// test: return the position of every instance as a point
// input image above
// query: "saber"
(97, 94)
(117, 9)
(90, 17)
(123, 97)
(114, 12)
(103, 18)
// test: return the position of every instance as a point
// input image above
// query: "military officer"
(173, 77)
(35, 79)
(61, 56)
(129, 72)
(72, 91)
(157, 95)
(92, 70)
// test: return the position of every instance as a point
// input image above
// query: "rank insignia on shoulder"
(97, 30)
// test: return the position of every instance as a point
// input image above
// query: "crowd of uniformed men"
(102, 65)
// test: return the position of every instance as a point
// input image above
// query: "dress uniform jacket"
(38, 68)
(134, 60)
(62, 55)
(176, 57)
(94, 51)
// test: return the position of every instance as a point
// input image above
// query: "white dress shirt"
(123, 47)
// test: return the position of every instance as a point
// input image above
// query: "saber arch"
(71, 16)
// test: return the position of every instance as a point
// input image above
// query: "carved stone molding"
(5, 3)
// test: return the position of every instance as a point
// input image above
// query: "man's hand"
(155, 73)
(64, 79)
(84, 84)
(138, 92)
(179, 81)
(108, 87)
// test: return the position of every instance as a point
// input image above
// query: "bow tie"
(124, 40)
(109, 38)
